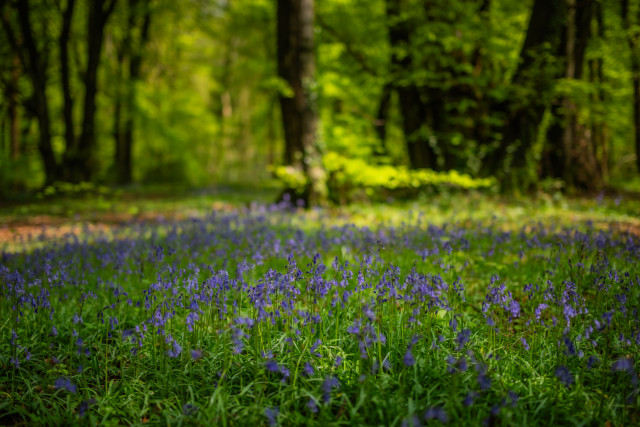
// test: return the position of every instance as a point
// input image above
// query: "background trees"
(198, 92)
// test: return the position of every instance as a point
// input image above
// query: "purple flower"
(272, 366)
(84, 406)
(462, 338)
(66, 384)
(408, 359)
(196, 354)
(329, 383)
(272, 415)
(314, 347)
(592, 361)
(312, 405)
(525, 344)
(623, 364)
(571, 349)
(338, 361)
(175, 350)
(189, 409)
(564, 375)
(469, 398)
(484, 381)
(308, 369)
(437, 413)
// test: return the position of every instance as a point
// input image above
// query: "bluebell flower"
(564, 375)
(338, 361)
(312, 405)
(175, 350)
(329, 383)
(593, 360)
(196, 354)
(437, 413)
(308, 369)
(462, 338)
(484, 381)
(272, 415)
(65, 383)
(189, 409)
(408, 359)
(84, 406)
(272, 366)
(469, 398)
(525, 344)
(623, 364)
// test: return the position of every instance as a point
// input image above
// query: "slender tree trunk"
(296, 65)
(633, 39)
(14, 114)
(412, 108)
(125, 137)
(63, 41)
(571, 144)
(99, 12)
(535, 75)
(35, 64)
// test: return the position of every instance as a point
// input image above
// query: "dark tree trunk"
(534, 75)
(63, 41)
(83, 163)
(13, 112)
(633, 39)
(35, 64)
(125, 107)
(570, 151)
(412, 107)
(296, 65)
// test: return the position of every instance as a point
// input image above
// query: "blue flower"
(328, 384)
(272, 415)
(84, 406)
(189, 409)
(308, 369)
(66, 384)
(484, 381)
(564, 375)
(437, 413)
(408, 359)
(272, 366)
(312, 405)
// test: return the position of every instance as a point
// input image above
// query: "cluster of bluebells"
(232, 279)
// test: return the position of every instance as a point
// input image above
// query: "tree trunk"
(296, 65)
(571, 151)
(536, 76)
(633, 39)
(412, 108)
(14, 115)
(99, 12)
(63, 41)
(126, 107)
(35, 64)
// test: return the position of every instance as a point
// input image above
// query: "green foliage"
(348, 174)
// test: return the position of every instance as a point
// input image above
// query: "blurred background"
(329, 101)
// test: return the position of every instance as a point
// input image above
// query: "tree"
(130, 52)
(296, 66)
(632, 31)
(34, 58)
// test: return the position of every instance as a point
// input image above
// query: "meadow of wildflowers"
(258, 317)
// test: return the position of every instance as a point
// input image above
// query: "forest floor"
(35, 219)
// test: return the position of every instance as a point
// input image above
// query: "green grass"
(403, 263)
